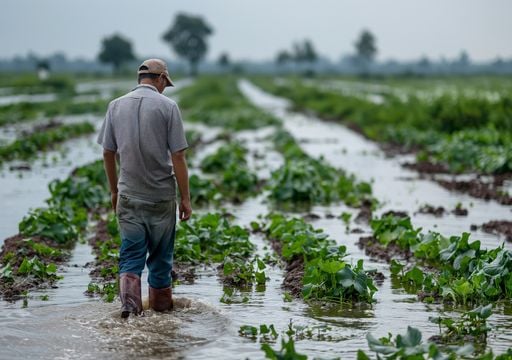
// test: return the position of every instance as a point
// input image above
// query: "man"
(144, 128)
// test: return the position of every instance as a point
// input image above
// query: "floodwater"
(70, 325)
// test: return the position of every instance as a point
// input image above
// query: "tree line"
(187, 37)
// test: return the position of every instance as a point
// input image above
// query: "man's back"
(143, 127)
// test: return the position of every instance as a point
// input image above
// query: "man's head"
(154, 72)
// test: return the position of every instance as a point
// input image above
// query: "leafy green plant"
(37, 268)
(459, 131)
(6, 273)
(108, 291)
(51, 223)
(211, 238)
(265, 333)
(326, 276)
(465, 272)
(43, 250)
(28, 146)
(410, 347)
(307, 180)
(472, 324)
(219, 103)
(240, 272)
(287, 351)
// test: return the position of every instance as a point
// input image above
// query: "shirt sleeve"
(176, 139)
(106, 136)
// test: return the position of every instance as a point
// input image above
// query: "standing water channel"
(71, 325)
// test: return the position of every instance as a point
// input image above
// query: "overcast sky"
(257, 29)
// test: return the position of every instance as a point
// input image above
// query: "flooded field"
(63, 323)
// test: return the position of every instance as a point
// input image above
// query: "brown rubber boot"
(160, 299)
(129, 291)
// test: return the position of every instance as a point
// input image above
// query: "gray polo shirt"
(144, 127)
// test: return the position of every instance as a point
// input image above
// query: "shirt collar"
(146, 86)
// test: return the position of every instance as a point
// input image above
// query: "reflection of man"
(144, 127)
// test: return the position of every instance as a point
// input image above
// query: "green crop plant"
(225, 156)
(37, 268)
(303, 179)
(42, 249)
(464, 133)
(29, 146)
(287, 351)
(51, 223)
(203, 191)
(243, 273)
(410, 347)
(327, 276)
(264, 333)
(218, 102)
(108, 291)
(472, 324)
(236, 180)
(464, 271)
(211, 238)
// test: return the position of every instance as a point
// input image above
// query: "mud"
(479, 189)
(427, 167)
(499, 227)
(20, 167)
(292, 281)
(365, 213)
(460, 211)
(311, 217)
(432, 210)
(397, 213)
(376, 251)
(14, 250)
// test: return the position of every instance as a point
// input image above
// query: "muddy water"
(70, 325)
(397, 188)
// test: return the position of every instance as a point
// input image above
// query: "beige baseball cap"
(155, 66)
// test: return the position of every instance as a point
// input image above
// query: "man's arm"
(181, 171)
(109, 162)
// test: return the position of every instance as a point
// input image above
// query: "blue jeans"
(147, 226)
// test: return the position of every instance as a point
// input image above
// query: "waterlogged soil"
(16, 247)
(203, 327)
(500, 227)
(480, 189)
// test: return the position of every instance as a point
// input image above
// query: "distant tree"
(424, 62)
(283, 57)
(116, 50)
(304, 52)
(187, 36)
(224, 60)
(366, 48)
(463, 59)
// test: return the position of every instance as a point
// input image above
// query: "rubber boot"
(129, 291)
(160, 299)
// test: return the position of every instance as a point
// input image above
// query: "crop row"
(218, 102)
(31, 84)
(47, 234)
(408, 346)
(30, 145)
(230, 177)
(315, 263)
(26, 111)
(308, 180)
(450, 130)
(457, 269)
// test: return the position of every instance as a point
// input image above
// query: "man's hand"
(185, 210)
(113, 198)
